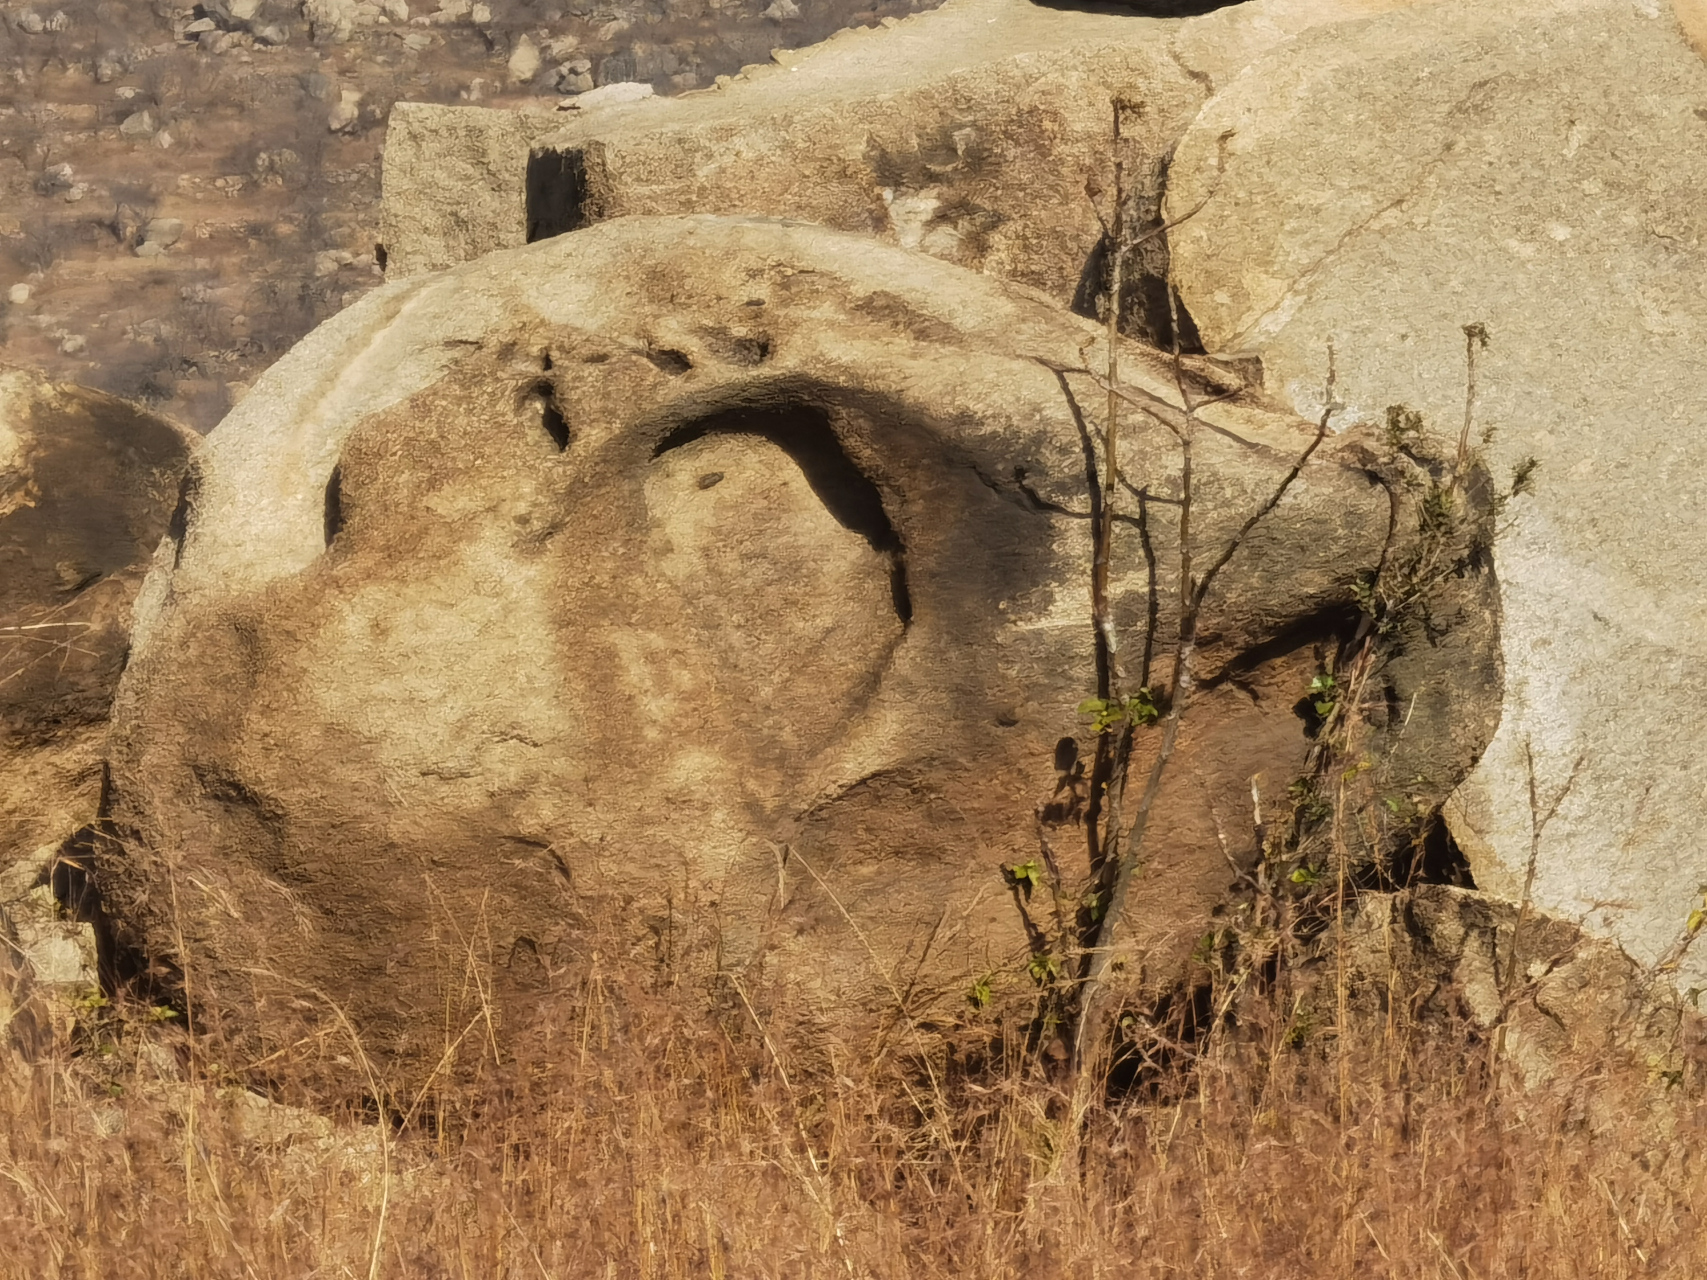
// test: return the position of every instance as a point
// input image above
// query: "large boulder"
(1537, 170)
(87, 488)
(712, 587)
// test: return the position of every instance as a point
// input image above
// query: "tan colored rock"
(455, 183)
(1385, 183)
(87, 485)
(332, 21)
(524, 61)
(968, 132)
(644, 587)
(1692, 17)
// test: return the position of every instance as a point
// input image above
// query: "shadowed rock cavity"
(775, 637)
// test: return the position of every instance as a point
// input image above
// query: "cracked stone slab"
(1537, 169)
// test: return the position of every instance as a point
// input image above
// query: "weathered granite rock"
(454, 181)
(1559, 1001)
(87, 485)
(968, 132)
(699, 584)
(1539, 171)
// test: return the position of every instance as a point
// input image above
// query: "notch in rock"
(550, 417)
(669, 360)
(334, 516)
(556, 193)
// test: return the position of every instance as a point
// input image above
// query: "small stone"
(164, 232)
(30, 23)
(611, 94)
(200, 25)
(480, 14)
(77, 192)
(272, 36)
(524, 61)
(72, 344)
(396, 10)
(343, 117)
(243, 10)
(107, 70)
(18, 294)
(139, 124)
(782, 11)
(327, 262)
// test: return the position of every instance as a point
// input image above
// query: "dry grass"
(639, 1137)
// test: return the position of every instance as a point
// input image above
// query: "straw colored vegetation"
(641, 1138)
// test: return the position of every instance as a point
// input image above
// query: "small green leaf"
(979, 996)
(1697, 918)
(162, 1013)
(1025, 876)
(1304, 875)
(1141, 707)
(1044, 968)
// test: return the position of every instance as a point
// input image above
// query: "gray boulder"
(1537, 170)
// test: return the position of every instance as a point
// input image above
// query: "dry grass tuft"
(640, 1137)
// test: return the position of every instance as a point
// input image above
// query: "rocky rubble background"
(187, 190)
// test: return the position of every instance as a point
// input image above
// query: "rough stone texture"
(1692, 17)
(968, 132)
(1386, 182)
(645, 586)
(1569, 1000)
(87, 485)
(455, 183)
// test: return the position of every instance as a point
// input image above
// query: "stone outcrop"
(716, 586)
(1384, 184)
(968, 132)
(87, 487)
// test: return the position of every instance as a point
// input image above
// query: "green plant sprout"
(1109, 714)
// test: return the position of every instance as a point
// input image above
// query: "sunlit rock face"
(1388, 183)
(712, 589)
